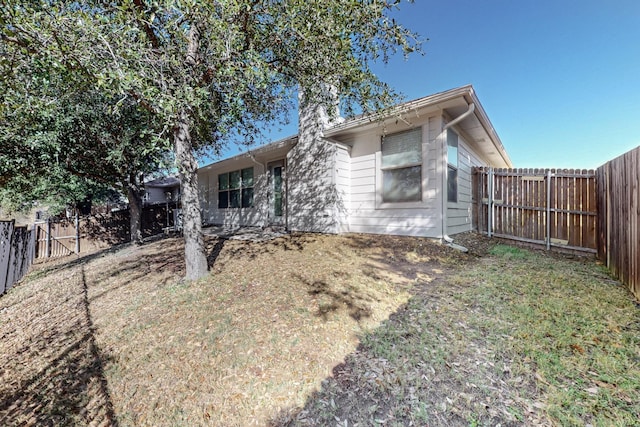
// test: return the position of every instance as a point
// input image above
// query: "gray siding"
(156, 195)
(336, 187)
(313, 192)
(233, 217)
(342, 179)
(366, 212)
(459, 217)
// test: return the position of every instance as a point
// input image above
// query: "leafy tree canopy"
(209, 71)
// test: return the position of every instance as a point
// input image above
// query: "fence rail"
(555, 208)
(619, 206)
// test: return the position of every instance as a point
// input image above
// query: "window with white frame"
(452, 166)
(235, 189)
(402, 167)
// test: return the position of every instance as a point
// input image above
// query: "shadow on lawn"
(252, 249)
(364, 388)
(162, 265)
(58, 376)
(392, 378)
(354, 301)
(213, 251)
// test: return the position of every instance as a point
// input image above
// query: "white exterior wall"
(312, 196)
(342, 179)
(155, 195)
(233, 217)
(366, 212)
(336, 187)
(459, 215)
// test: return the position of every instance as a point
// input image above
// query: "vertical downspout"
(444, 167)
(443, 175)
(443, 160)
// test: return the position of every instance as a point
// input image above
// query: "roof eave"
(466, 92)
(488, 127)
(415, 104)
(263, 149)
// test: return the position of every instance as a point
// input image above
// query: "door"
(277, 193)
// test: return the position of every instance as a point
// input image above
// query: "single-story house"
(405, 173)
(161, 190)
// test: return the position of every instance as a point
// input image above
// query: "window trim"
(240, 189)
(451, 167)
(379, 169)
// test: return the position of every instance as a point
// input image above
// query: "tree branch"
(146, 26)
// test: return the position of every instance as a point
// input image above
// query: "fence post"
(47, 247)
(548, 209)
(77, 226)
(607, 175)
(490, 203)
(34, 242)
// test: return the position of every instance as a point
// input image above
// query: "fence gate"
(555, 208)
(57, 238)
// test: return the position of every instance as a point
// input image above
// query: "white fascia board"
(263, 149)
(413, 105)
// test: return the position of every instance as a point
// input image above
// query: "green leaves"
(250, 58)
(220, 71)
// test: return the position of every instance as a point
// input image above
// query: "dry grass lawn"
(118, 337)
(320, 330)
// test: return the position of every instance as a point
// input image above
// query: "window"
(452, 166)
(235, 189)
(402, 167)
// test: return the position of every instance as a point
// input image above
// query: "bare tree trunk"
(135, 212)
(195, 256)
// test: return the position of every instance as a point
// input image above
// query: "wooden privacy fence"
(16, 253)
(55, 237)
(556, 208)
(58, 237)
(619, 222)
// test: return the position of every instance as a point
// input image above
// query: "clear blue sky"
(560, 80)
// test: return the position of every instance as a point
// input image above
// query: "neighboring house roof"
(163, 182)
